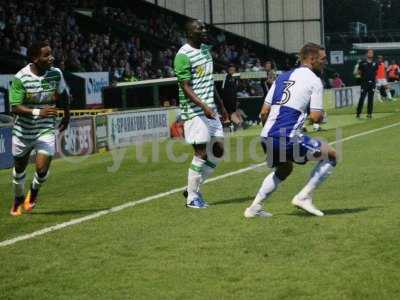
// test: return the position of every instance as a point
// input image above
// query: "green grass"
(161, 250)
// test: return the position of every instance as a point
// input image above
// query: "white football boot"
(307, 205)
(256, 211)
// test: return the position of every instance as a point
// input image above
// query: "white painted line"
(157, 196)
(365, 133)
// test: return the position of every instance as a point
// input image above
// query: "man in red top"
(393, 72)
(381, 82)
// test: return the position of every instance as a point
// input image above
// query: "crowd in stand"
(74, 50)
(77, 50)
(166, 29)
(159, 26)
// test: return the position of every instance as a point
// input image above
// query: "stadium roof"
(376, 46)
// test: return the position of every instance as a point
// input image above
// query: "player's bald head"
(191, 26)
(196, 32)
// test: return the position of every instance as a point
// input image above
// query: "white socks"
(194, 177)
(269, 185)
(18, 183)
(389, 94)
(318, 175)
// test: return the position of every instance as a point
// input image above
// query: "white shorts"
(381, 82)
(45, 144)
(200, 130)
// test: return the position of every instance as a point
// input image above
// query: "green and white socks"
(199, 171)
(18, 183)
(194, 177)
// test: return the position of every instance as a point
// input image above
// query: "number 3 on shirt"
(286, 92)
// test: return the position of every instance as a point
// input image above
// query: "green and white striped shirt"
(195, 65)
(35, 91)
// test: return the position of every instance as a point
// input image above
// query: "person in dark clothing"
(229, 90)
(230, 87)
(367, 69)
(271, 75)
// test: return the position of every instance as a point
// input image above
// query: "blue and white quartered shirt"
(289, 97)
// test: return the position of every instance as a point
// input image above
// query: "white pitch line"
(157, 196)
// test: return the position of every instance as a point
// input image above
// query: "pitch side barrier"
(85, 112)
(161, 91)
(349, 96)
(106, 131)
(85, 87)
(100, 132)
(157, 92)
(6, 159)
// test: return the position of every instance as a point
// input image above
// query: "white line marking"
(157, 196)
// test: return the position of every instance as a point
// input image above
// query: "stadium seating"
(128, 45)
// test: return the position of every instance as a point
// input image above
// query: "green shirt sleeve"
(182, 67)
(17, 92)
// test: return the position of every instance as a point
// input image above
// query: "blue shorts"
(283, 149)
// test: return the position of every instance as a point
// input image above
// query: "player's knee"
(20, 165)
(18, 176)
(42, 175)
(19, 169)
(283, 172)
(218, 150)
(332, 160)
(200, 151)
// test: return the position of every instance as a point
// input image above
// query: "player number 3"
(286, 92)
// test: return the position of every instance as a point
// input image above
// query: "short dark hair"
(310, 49)
(189, 25)
(34, 49)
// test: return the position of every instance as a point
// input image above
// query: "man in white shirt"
(283, 115)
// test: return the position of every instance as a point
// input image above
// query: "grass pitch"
(161, 250)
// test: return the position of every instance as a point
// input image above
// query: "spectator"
(287, 66)
(128, 76)
(356, 73)
(229, 91)
(393, 71)
(381, 81)
(337, 81)
(177, 129)
(271, 74)
(20, 24)
(243, 89)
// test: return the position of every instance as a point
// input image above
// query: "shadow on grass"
(66, 212)
(333, 212)
(233, 200)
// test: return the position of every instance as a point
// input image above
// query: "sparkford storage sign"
(137, 126)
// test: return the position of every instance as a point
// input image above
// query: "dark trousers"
(367, 88)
